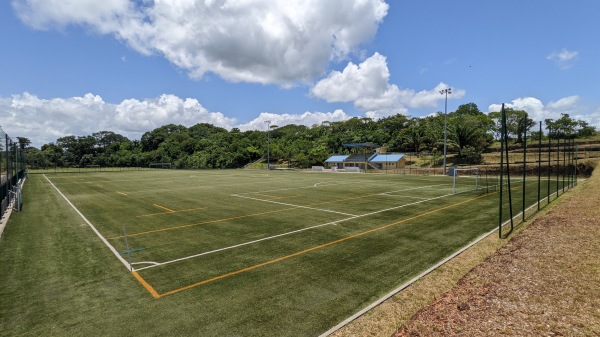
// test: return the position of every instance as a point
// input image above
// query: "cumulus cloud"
(538, 111)
(594, 118)
(134, 116)
(45, 120)
(306, 118)
(367, 86)
(564, 58)
(282, 42)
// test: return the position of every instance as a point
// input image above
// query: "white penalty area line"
(158, 264)
(409, 189)
(112, 249)
(331, 211)
(293, 205)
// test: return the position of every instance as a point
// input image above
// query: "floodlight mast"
(446, 92)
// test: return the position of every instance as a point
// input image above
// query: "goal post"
(465, 180)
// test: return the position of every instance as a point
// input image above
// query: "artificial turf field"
(223, 253)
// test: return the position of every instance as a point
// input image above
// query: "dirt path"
(544, 282)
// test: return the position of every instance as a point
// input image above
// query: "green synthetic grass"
(58, 278)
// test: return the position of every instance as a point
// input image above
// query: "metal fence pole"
(576, 158)
(539, 166)
(557, 165)
(501, 174)
(524, 171)
(564, 163)
(549, 160)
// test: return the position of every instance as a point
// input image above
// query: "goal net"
(466, 180)
(160, 165)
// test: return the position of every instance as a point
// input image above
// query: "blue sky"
(74, 67)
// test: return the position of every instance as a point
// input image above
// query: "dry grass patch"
(523, 277)
(544, 281)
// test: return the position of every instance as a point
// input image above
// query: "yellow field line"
(145, 284)
(170, 212)
(121, 193)
(163, 207)
(226, 219)
(216, 278)
(201, 223)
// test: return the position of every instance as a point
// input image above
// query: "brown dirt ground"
(544, 281)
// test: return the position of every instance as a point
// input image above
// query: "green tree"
(469, 109)
(517, 123)
(567, 127)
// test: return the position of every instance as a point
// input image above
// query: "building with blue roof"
(380, 160)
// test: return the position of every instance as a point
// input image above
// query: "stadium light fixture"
(446, 92)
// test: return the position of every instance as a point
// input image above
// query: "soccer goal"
(465, 180)
(160, 165)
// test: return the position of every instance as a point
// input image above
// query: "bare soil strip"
(544, 282)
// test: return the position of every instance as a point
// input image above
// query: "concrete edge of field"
(404, 286)
(9, 210)
(392, 293)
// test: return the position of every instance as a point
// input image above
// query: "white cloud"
(564, 105)
(538, 111)
(367, 86)
(261, 41)
(307, 118)
(564, 59)
(594, 118)
(534, 107)
(134, 116)
(45, 120)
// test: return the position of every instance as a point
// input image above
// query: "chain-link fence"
(12, 171)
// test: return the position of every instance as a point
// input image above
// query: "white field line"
(389, 194)
(325, 210)
(405, 285)
(157, 264)
(323, 184)
(293, 205)
(299, 188)
(418, 277)
(112, 249)
(400, 196)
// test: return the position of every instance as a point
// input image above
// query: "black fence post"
(524, 171)
(539, 167)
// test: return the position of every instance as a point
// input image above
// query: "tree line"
(469, 132)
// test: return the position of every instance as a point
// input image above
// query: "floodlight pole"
(446, 92)
(268, 146)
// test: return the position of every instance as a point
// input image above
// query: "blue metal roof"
(337, 159)
(387, 158)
